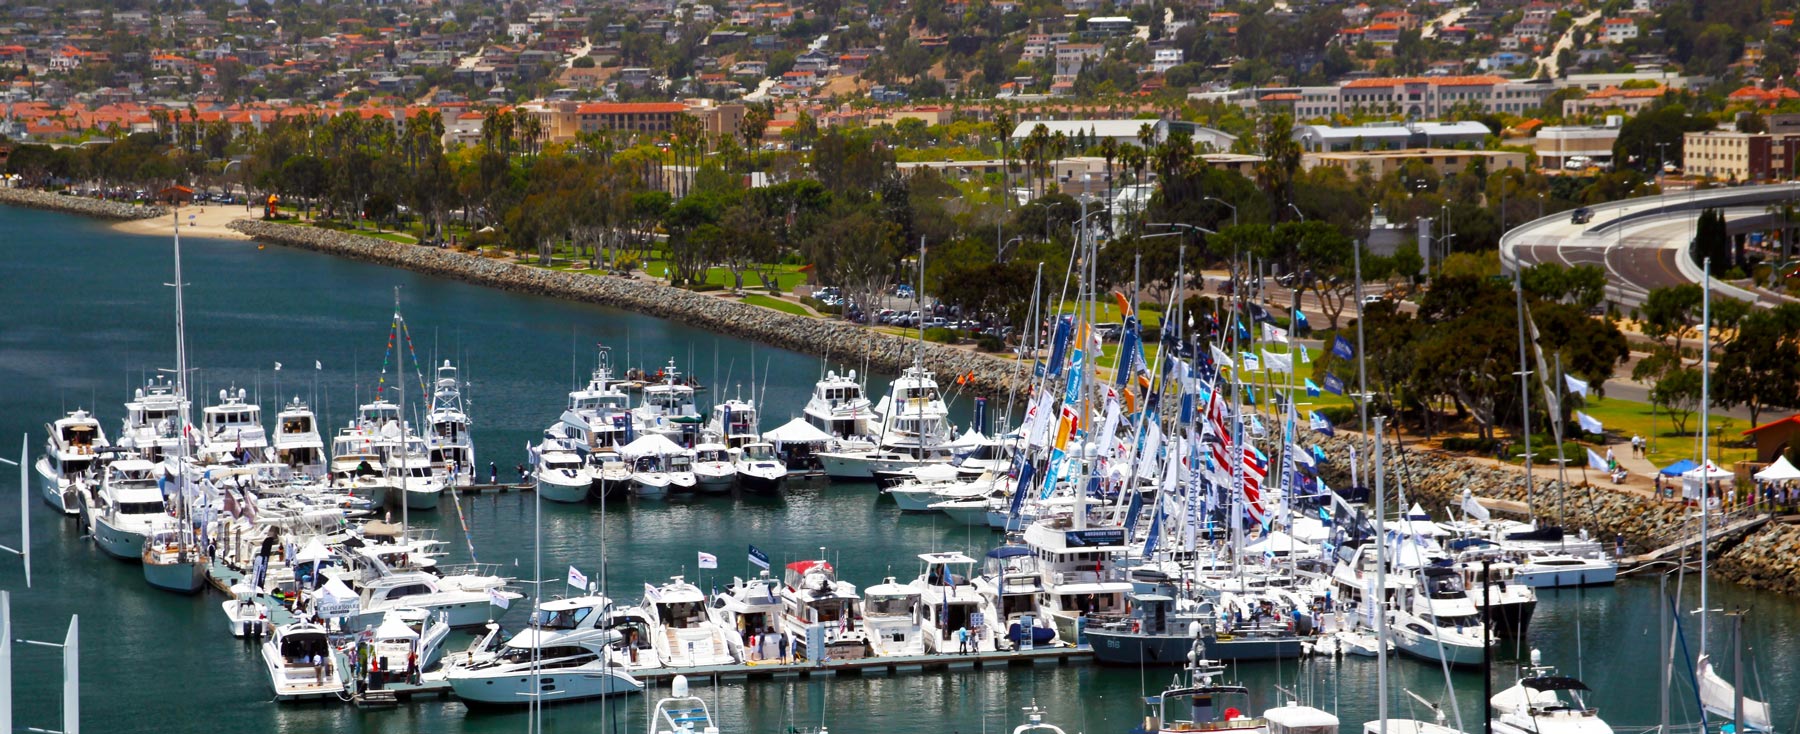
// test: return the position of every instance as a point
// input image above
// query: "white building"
(1414, 97)
(1390, 136)
(1124, 132)
(1619, 30)
(1165, 59)
(1556, 144)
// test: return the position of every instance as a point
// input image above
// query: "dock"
(1679, 547)
(500, 488)
(433, 684)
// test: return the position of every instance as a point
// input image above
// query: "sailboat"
(172, 557)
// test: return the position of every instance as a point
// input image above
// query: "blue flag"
(1128, 353)
(759, 558)
(1019, 488)
(1243, 334)
(1333, 385)
(1300, 323)
(1155, 529)
(1060, 344)
(1131, 513)
(1250, 394)
(1341, 347)
(1312, 388)
(1318, 453)
(1321, 425)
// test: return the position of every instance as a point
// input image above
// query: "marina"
(520, 381)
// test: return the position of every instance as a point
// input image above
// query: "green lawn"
(1623, 418)
(1108, 312)
(757, 299)
(786, 277)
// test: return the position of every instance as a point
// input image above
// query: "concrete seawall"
(101, 208)
(837, 340)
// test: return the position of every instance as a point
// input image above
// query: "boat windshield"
(561, 619)
(888, 606)
(759, 452)
(153, 507)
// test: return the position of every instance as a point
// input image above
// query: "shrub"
(706, 287)
(940, 335)
(990, 343)
(1469, 445)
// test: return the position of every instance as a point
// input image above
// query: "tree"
(1281, 161)
(1760, 366)
(1712, 241)
(1671, 311)
(1678, 394)
(1657, 131)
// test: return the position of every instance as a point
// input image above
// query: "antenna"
(23, 552)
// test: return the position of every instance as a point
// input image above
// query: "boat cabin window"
(154, 507)
(78, 436)
(761, 453)
(1015, 604)
(681, 614)
(645, 463)
(956, 616)
(407, 590)
(1447, 586)
(563, 619)
(828, 610)
(921, 393)
(419, 472)
(76, 466)
(679, 462)
(297, 424)
(887, 606)
(301, 648)
(1092, 603)
(154, 415)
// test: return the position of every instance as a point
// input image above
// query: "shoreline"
(117, 211)
(1768, 558)
(196, 221)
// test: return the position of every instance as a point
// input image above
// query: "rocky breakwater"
(833, 339)
(1768, 558)
(102, 208)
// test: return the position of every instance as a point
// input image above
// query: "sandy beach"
(196, 220)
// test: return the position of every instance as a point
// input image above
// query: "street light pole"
(1228, 205)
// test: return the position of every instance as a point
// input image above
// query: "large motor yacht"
(452, 446)
(71, 446)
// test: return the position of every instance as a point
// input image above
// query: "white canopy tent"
(650, 444)
(797, 431)
(336, 599)
(1693, 480)
(1781, 470)
(1281, 545)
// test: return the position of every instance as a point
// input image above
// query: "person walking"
(962, 640)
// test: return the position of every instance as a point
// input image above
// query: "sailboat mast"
(1380, 595)
(1525, 394)
(181, 387)
(1705, 455)
(400, 385)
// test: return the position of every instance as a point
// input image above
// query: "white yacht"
(461, 604)
(125, 508)
(839, 407)
(1077, 568)
(70, 447)
(713, 468)
(356, 466)
(668, 405)
(297, 442)
(595, 424)
(1560, 570)
(913, 429)
(231, 432)
(891, 619)
(1545, 703)
(243, 611)
(658, 466)
(680, 630)
(815, 598)
(452, 446)
(1437, 621)
(414, 481)
(562, 477)
(1034, 722)
(948, 604)
(288, 657)
(734, 423)
(151, 419)
(759, 470)
(746, 609)
(565, 654)
(1013, 588)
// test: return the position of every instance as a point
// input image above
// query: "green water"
(85, 314)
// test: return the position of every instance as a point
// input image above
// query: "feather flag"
(1341, 347)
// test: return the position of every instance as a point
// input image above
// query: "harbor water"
(87, 315)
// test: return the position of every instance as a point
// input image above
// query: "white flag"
(1039, 415)
(498, 599)
(708, 560)
(577, 579)
(1274, 333)
(1221, 357)
(1251, 363)
(1589, 423)
(1110, 425)
(1576, 386)
(1596, 461)
(277, 366)
(1472, 508)
(1283, 363)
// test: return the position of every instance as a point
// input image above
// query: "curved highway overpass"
(1642, 243)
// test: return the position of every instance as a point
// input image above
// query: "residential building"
(1071, 56)
(1741, 157)
(1613, 100)
(1415, 97)
(1125, 132)
(1165, 59)
(1618, 30)
(1110, 25)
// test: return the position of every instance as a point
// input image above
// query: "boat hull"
(1253, 648)
(715, 482)
(557, 491)
(55, 491)
(1427, 648)
(914, 501)
(423, 500)
(971, 515)
(181, 577)
(465, 614)
(124, 545)
(761, 483)
(511, 688)
(845, 467)
(1566, 579)
(1510, 621)
(1118, 647)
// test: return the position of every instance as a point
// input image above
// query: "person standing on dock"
(781, 644)
(493, 473)
(962, 640)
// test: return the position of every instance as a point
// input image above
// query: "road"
(1447, 19)
(1642, 243)
(1566, 41)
